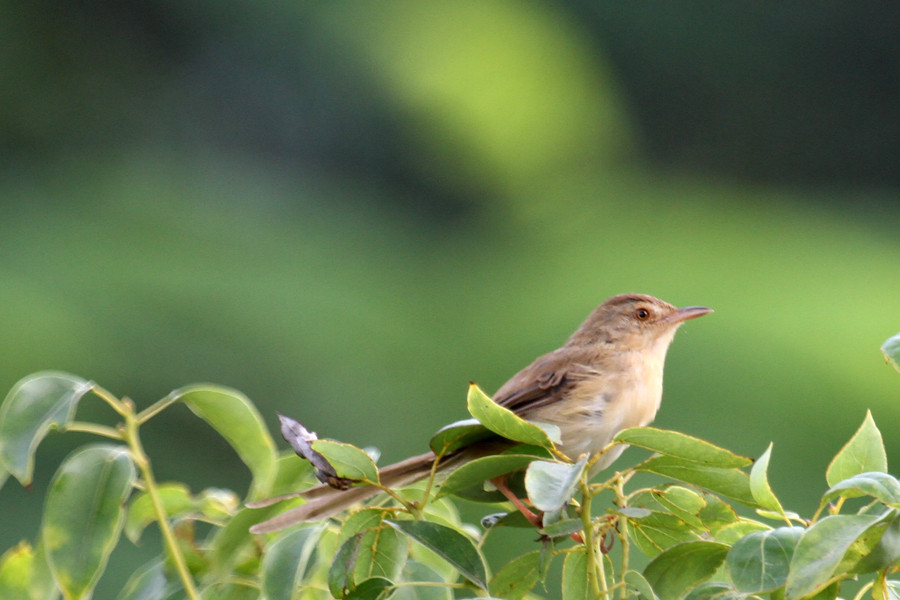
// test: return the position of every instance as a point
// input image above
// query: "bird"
(608, 376)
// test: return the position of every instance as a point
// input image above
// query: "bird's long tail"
(324, 501)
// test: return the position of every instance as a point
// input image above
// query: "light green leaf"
(176, 499)
(518, 577)
(730, 483)
(458, 435)
(731, 533)
(715, 590)
(684, 566)
(83, 515)
(287, 562)
(551, 485)
(349, 461)
(759, 484)
(891, 350)
(658, 531)
(453, 546)
(679, 445)
(759, 561)
(24, 574)
(637, 582)
(236, 419)
(878, 548)
(575, 577)
(564, 527)
(504, 422)
(881, 486)
(864, 452)
(820, 551)
(36, 404)
(149, 582)
(468, 480)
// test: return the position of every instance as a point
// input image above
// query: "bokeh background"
(350, 210)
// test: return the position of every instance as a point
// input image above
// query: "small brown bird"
(605, 378)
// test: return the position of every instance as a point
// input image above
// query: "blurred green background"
(350, 210)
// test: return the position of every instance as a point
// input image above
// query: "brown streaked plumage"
(605, 378)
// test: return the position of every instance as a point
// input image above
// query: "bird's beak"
(688, 312)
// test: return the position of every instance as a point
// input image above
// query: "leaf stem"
(116, 404)
(94, 428)
(130, 433)
(156, 408)
(595, 573)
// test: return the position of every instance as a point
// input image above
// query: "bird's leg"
(500, 484)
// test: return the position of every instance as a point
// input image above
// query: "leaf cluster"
(712, 527)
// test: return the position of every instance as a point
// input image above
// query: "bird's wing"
(543, 382)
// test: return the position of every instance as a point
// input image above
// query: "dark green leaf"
(878, 548)
(236, 419)
(458, 435)
(730, 483)
(379, 552)
(759, 484)
(287, 561)
(504, 422)
(230, 590)
(469, 479)
(83, 515)
(576, 577)
(348, 461)
(891, 350)
(759, 561)
(881, 486)
(517, 577)
(684, 566)
(820, 550)
(453, 546)
(33, 406)
(864, 452)
(679, 445)
(374, 588)
(551, 485)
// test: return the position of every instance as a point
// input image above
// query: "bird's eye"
(642, 314)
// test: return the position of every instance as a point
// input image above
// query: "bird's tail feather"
(324, 501)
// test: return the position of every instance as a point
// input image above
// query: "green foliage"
(412, 544)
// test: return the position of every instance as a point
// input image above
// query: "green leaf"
(422, 573)
(564, 527)
(378, 552)
(759, 561)
(453, 546)
(149, 582)
(458, 435)
(236, 419)
(715, 590)
(468, 480)
(759, 484)
(891, 350)
(679, 445)
(881, 486)
(504, 422)
(24, 574)
(374, 588)
(176, 499)
(820, 551)
(638, 583)
(730, 483)
(348, 461)
(684, 566)
(683, 503)
(657, 531)
(864, 452)
(518, 577)
(287, 561)
(36, 404)
(230, 590)
(878, 548)
(731, 533)
(551, 485)
(83, 515)
(576, 577)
